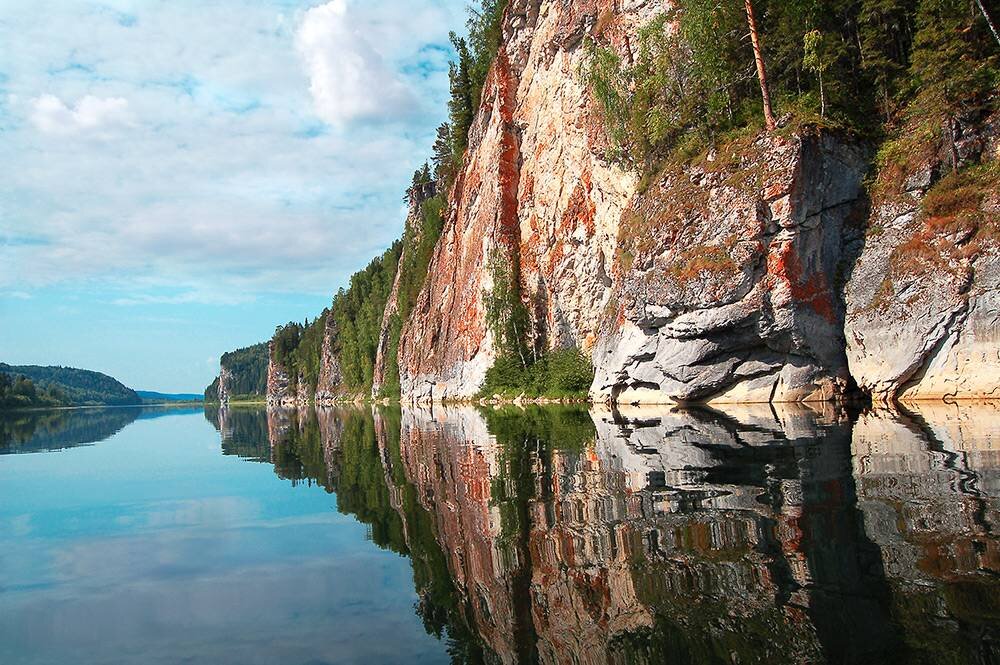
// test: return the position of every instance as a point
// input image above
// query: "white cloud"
(229, 182)
(52, 116)
(348, 77)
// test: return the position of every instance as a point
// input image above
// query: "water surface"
(547, 534)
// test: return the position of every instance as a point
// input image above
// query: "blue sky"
(177, 178)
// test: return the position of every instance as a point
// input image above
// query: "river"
(752, 534)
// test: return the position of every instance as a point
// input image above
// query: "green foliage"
(644, 103)
(847, 62)
(955, 62)
(212, 391)
(357, 313)
(418, 248)
(566, 373)
(467, 76)
(506, 315)
(298, 348)
(35, 386)
(247, 369)
(954, 71)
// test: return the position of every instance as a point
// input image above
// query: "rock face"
(743, 276)
(225, 385)
(719, 282)
(535, 192)
(279, 386)
(330, 385)
(726, 289)
(412, 230)
(924, 297)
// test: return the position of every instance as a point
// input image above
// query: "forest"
(35, 386)
(879, 69)
(247, 368)
(357, 316)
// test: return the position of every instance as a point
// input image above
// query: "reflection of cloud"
(213, 512)
(19, 525)
(234, 603)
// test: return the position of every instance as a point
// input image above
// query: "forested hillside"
(33, 385)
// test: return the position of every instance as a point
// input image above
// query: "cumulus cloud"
(53, 116)
(234, 177)
(348, 77)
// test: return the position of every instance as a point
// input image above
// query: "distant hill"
(34, 385)
(243, 374)
(159, 398)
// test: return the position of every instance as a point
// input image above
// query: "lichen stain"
(813, 291)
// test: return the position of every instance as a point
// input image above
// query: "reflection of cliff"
(929, 489)
(556, 535)
(243, 431)
(681, 533)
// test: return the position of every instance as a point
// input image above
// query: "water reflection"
(757, 534)
(47, 430)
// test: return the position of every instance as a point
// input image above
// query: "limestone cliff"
(765, 270)
(729, 279)
(718, 282)
(535, 192)
(225, 385)
(281, 391)
(924, 297)
(330, 385)
(727, 283)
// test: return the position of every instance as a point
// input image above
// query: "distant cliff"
(616, 208)
(242, 375)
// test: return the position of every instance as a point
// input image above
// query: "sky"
(179, 177)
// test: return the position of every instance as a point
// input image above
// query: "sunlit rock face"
(280, 390)
(330, 383)
(225, 385)
(535, 191)
(924, 295)
(727, 285)
(718, 282)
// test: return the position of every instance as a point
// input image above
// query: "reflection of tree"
(558, 535)
(35, 431)
(355, 454)
(244, 431)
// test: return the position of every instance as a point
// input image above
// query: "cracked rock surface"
(727, 285)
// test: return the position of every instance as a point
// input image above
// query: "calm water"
(502, 536)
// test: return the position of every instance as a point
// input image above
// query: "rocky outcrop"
(225, 384)
(923, 301)
(330, 385)
(756, 273)
(280, 389)
(412, 232)
(726, 287)
(535, 192)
